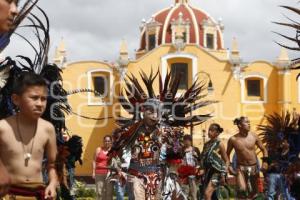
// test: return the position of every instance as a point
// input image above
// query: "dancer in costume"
(278, 138)
(144, 169)
(25, 137)
(244, 144)
(154, 133)
(8, 23)
(57, 104)
(215, 161)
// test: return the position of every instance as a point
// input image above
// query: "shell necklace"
(27, 154)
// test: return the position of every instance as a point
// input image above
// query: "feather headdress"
(173, 106)
(278, 128)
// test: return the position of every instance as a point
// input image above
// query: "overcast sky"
(93, 29)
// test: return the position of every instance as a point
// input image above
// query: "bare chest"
(245, 144)
(13, 146)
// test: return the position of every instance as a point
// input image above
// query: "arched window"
(100, 85)
(209, 34)
(152, 32)
(254, 89)
(190, 61)
(182, 69)
(151, 42)
(210, 41)
(100, 81)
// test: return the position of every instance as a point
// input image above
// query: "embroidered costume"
(281, 136)
(212, 163)
(156, 148)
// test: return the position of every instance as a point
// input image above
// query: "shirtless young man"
(25, 137)
(244, 143)
(8, 11)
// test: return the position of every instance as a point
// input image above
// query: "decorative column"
(180, 32)
(235, 60)
(123, 59)
(284, 83)
(60, 57)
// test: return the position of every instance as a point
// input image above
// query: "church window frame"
(251, 97)
(151, 41)
(100, 99)
(210, 40)
(181, 66)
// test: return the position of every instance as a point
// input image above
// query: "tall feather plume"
(293, 24)
(41, 32)
(166, 83)
(136, 84)
(173, 87)
(148, 81)
(125, 104)
(189, 101)
(160, 86)
(277, 128)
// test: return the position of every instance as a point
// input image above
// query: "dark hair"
(107, 136)
(239, 120)
(187, 137)
(151, 104)
(216, 127)
(25, 80)
(116, 132)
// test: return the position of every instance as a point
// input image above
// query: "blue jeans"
(71, 177)
(128, 191)
(277, 185)
(119, 189)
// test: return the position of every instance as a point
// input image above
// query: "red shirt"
(101, 162)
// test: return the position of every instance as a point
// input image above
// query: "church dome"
(196, 26)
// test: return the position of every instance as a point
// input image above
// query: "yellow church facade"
(186, 39)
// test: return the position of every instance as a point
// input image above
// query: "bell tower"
(60, 57)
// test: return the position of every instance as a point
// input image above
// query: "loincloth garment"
(26, 191)
(249, 176)
(151, 182)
